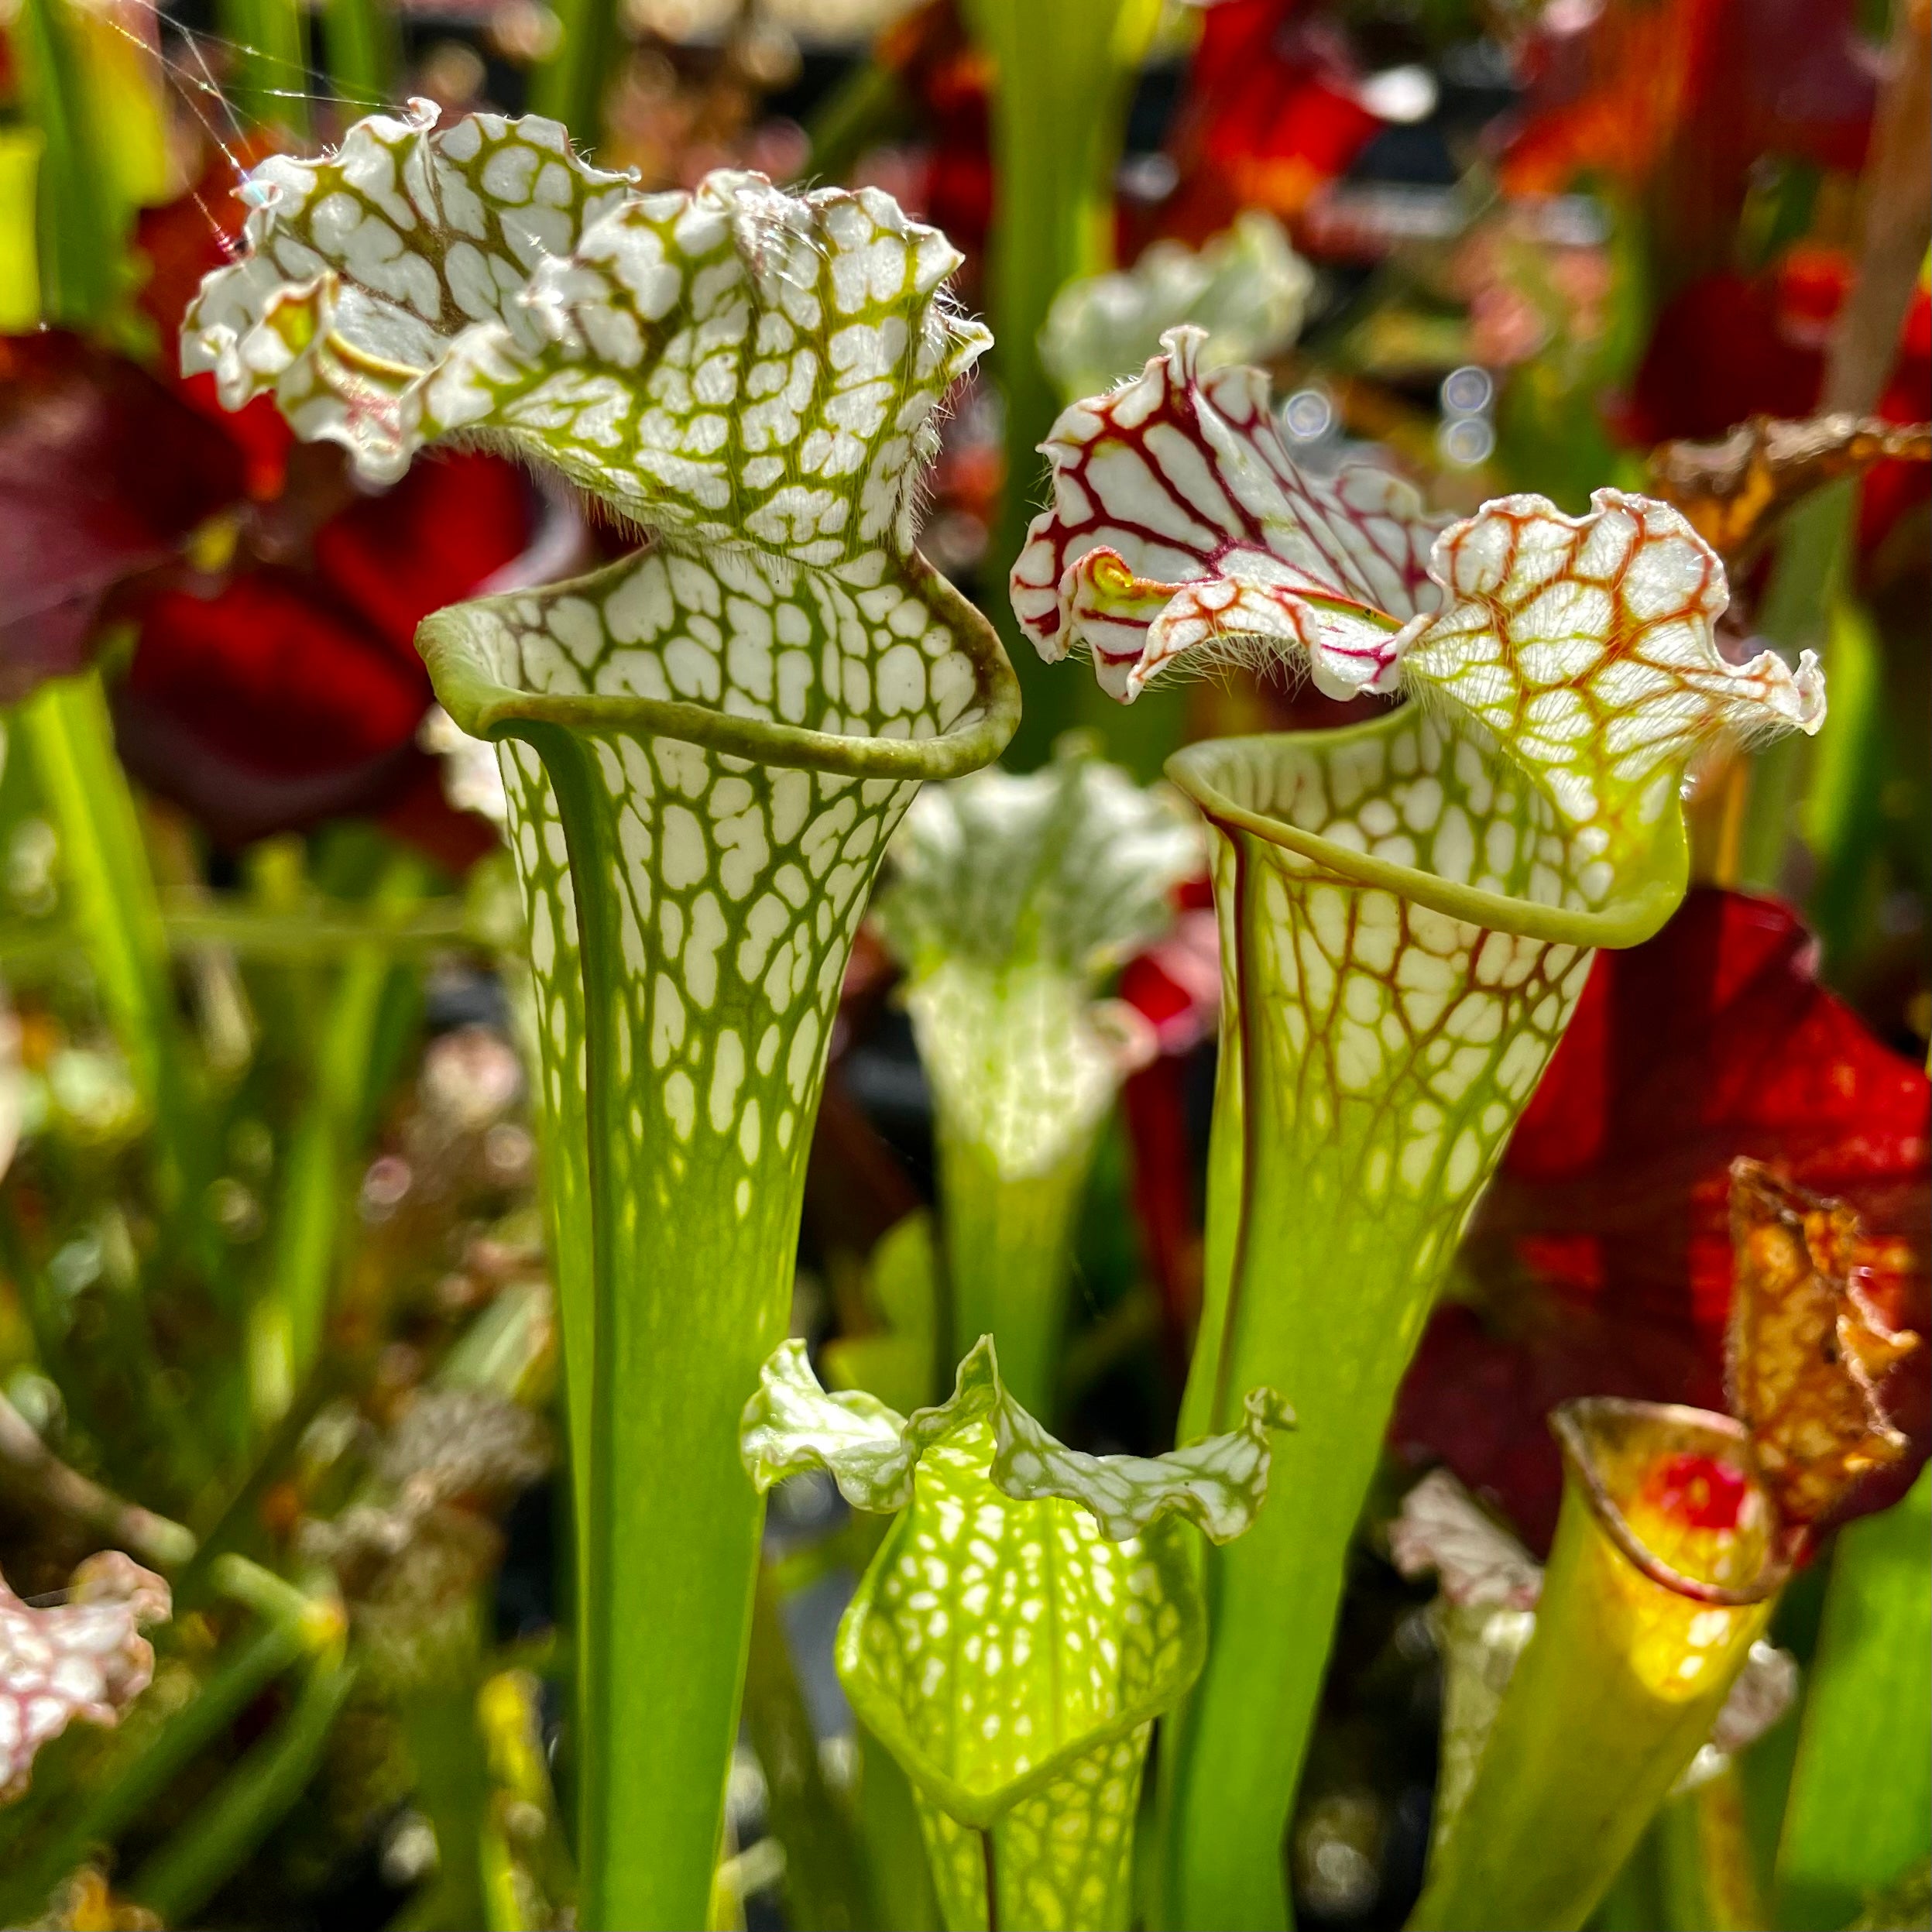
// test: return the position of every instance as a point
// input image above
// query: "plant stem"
(116, 907)
(1635, 1901)
(1333, 1279)
(681, 1218)
(436, 1709)
(1009, 1245)
(569, 86)
(20, 151)
(1807, 581)
(1062, 75)
(153, 1538)
(525, 1876)
(272, 85)
(694, 880)
(1709, 1883)
(1843, 819)
(79, 225)
(187, 1871)
(286, 1323)
(671, 1368)
(866, 106)
(363, 55)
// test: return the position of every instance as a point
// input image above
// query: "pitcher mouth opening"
(1719, 1436)
(487, 707)
(1215, 772)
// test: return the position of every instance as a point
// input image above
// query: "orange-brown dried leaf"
(1732, 490)
(1807, 1349)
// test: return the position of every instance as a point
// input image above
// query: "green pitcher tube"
(1663, 1575)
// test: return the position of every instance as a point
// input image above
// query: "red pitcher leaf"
(1600, 1262)
(1723, 347)
(103, 473)
(286, 687)
(1731, 491)
(1808, 1349)
(274, 673)
(291, 692)
(1699, 88)
(439, 537)
(1272, 113)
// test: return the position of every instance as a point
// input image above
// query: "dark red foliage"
(1699, 88)
(103, 470)
(1601, 1261)
(1724, 348)
(281, 684)
(180, 242)
(1688, 102)
(272, 671)
(281, 692)
(1728, 347)
(453, 522)
(1270, 116)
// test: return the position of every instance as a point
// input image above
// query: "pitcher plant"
(705, 747)
(1407, 910)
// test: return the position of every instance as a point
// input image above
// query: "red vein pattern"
(1179, 524)
(1581, 647)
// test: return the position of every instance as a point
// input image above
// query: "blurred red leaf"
(1270, 116)
(182, 241)
(103, 471)
(1601, 1262)
(1722, 349)
(451, 523)
(1726, 348)
(286, 692)
(1702, 88)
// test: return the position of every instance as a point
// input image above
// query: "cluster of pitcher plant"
(1086, 1683)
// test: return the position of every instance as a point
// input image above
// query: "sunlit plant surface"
(637, 1291)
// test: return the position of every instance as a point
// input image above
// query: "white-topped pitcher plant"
(1011, 898)
(705, 745)
(1029, 1614)
(1407, 910)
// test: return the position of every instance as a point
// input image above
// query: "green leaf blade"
(1859, 1816)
